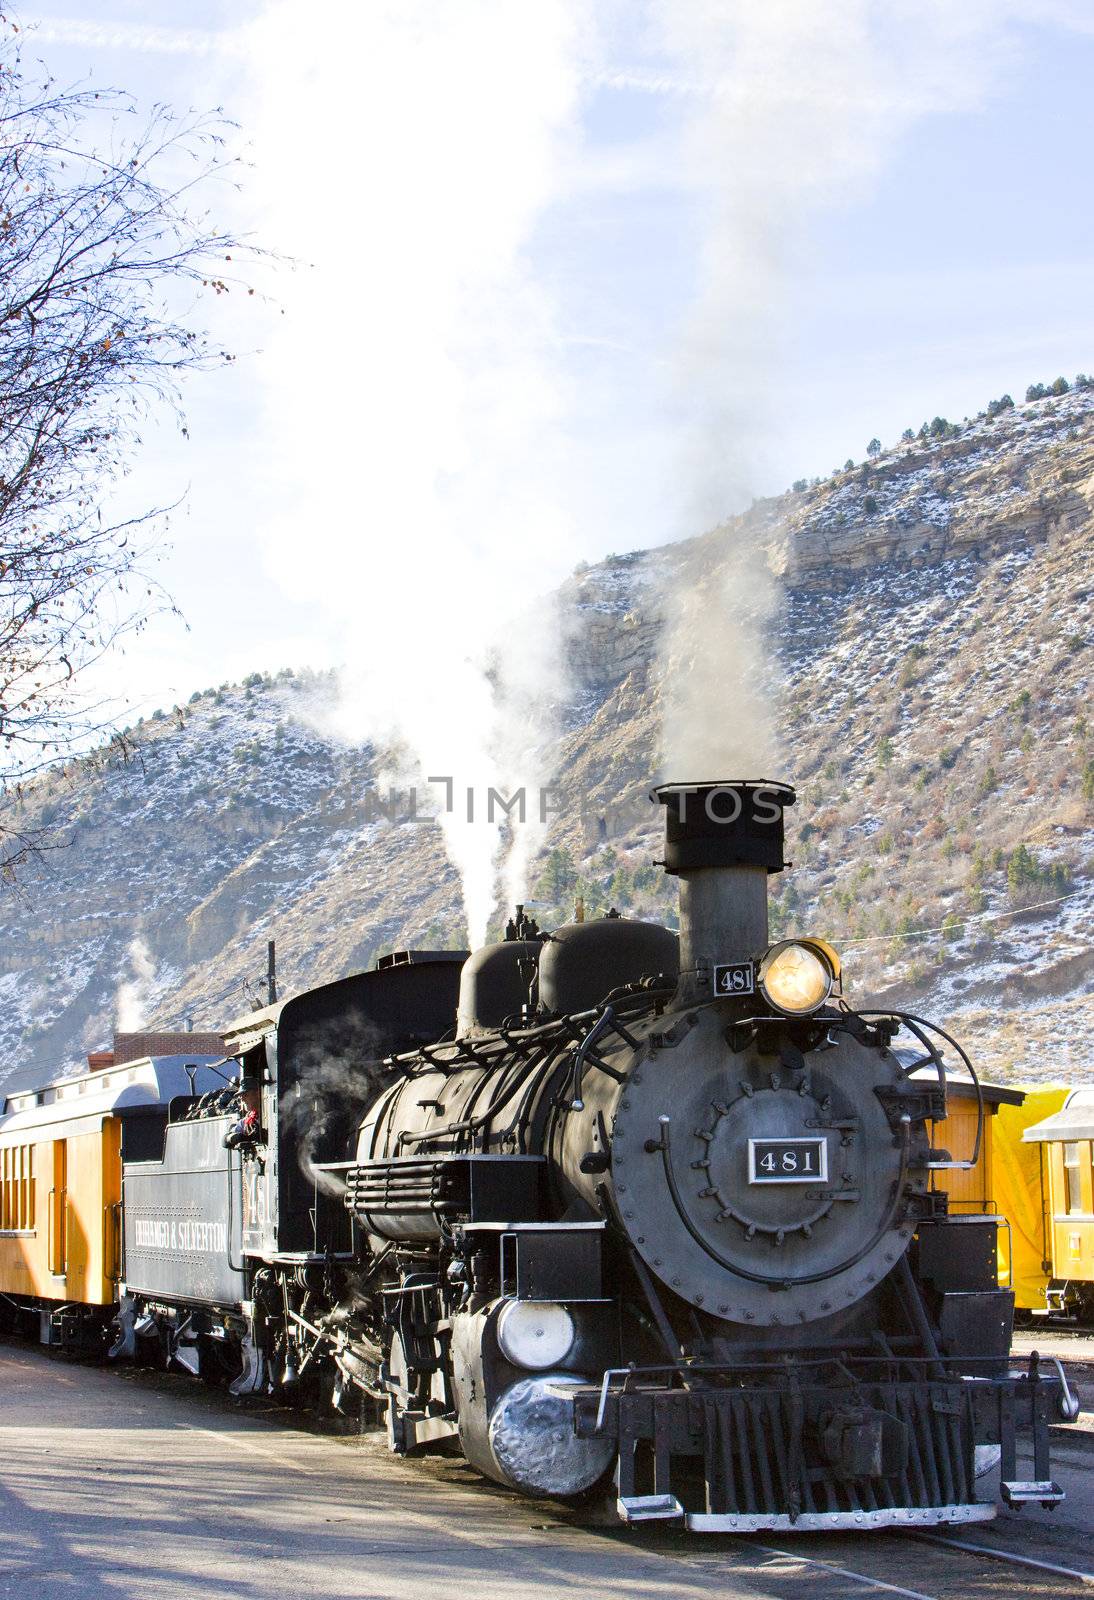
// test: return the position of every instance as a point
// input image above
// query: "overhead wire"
(955, 927)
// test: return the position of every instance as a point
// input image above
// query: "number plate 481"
(787, 1160)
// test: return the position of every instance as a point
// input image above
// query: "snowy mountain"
(933, 643)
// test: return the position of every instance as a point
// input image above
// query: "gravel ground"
(122, 1483)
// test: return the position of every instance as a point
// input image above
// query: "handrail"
(112, 1235)
(914, 1026)
(56, 1262)
(603, 1023)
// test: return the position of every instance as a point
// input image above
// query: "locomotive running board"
(828, 1521)
(648, 1507)
(1041, 1491)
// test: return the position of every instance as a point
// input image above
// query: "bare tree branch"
(98, 234)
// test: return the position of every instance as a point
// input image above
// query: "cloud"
(126, 36)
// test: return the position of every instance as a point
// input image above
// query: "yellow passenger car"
(972, 1190)
(60, 1187)
(1065, 1142)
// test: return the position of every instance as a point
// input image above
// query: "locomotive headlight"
(797, 978)
(535, 1333)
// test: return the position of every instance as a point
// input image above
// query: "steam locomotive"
(656, 1211)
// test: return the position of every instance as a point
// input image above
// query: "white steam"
(133, 995)
(720, 677)
(792, 110)
(409, 150)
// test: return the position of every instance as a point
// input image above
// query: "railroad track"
(1057, 1333)
(1047, 1553)
(952, 1583)
(1011, 1556)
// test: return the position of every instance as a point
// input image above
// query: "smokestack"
(721, 841)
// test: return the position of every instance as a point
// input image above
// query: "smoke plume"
(792, 110)
(408, 152)
(133, 995)
(337, 1072)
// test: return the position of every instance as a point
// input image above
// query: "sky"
(547, 242)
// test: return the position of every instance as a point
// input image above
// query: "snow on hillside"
(934, 645)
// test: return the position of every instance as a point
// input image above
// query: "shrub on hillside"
(558, 876)
(1026, 876)
(909, 672)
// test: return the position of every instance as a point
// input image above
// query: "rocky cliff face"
(933, 639)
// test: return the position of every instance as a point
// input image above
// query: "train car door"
(111, 1255)
(58, 1211)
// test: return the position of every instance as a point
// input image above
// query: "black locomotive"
(654, 1208)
